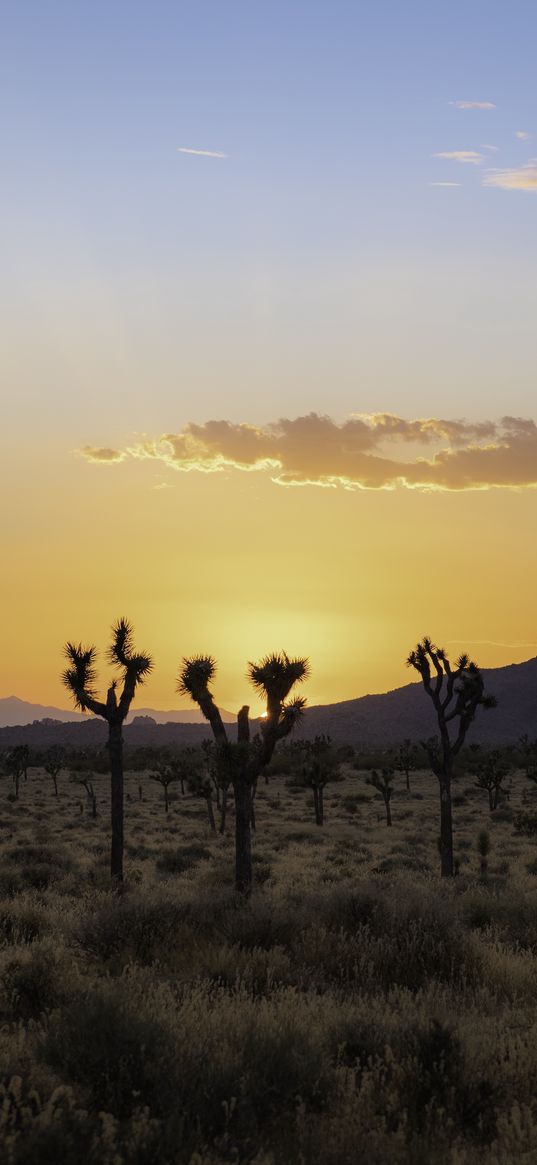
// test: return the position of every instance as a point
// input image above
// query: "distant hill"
(368, 720)
(15, 712)
(407, 711)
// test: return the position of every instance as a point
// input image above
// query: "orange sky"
(234, 565)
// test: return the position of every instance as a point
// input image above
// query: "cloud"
(105, 455)
(522, 135)
(521, 178)
(201, 153)
(465, 156)
(473, 104)
(486, 146)
(444, 184)
(367, 451)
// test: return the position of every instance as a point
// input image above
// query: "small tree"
(242, 762)
(319, 766)
(165, 775)
(85, 779)
(483, 849)
(528, 749)
(406, 757)
(201, 785)
(53, 764)
(79, 678)
(456, 694)
(490, 775)
(16, 764)
(382, 782)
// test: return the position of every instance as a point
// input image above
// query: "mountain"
(408, 712)
(15, 712)
(369, 720)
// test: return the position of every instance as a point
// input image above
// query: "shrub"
(122, 1057)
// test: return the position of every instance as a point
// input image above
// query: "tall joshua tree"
(241, 763)
(456, 694)
(79, 678)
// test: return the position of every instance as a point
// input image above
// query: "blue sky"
(317, 244)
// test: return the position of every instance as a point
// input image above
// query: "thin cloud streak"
(365, 452)
(471, 157)
(473, 104)
(201, 153)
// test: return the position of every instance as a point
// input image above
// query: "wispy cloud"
(471, 157)
(201, 153)
(521, 178)
(367, 451)
(445, 183)
(104, 455)
(486, 146)
(522, 135)
(473, 104)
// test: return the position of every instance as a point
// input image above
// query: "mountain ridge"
(374, 719)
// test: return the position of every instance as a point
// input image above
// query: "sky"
(268, 350)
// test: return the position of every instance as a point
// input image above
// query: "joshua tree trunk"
(55, 783)
(223, 811)
(116, 775)
(318, 804)
(446, 827)
(407, 775)
(166, 801)
(17, 781)
(388, 813)
(243, 841)
(210, 813)
(252, 806)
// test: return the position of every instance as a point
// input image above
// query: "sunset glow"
(269, 344)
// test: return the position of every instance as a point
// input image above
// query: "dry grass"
(356, 1009)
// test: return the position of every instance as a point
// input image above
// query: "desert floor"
(356, 1009)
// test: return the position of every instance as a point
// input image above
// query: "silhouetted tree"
(53, 763)
(456, 694)
(483, 849)
(79, 678)
(85, 779)
(16, 763)
(201, 785)
(165, 775)
(382, 782)
(528, 748)
(490, 775)
(319, 766)
(240, 763)
(406, 758)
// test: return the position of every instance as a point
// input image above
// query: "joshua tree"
(319, 766)
(528, 749)
(16, 764)
(165, 775)
(79, 678)
(456, 694)
(406, 759)
(201, 785)
(241, 763)
(489, 775)
(382, 782)
(85, 779)
(53, 764)
(483, 849)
